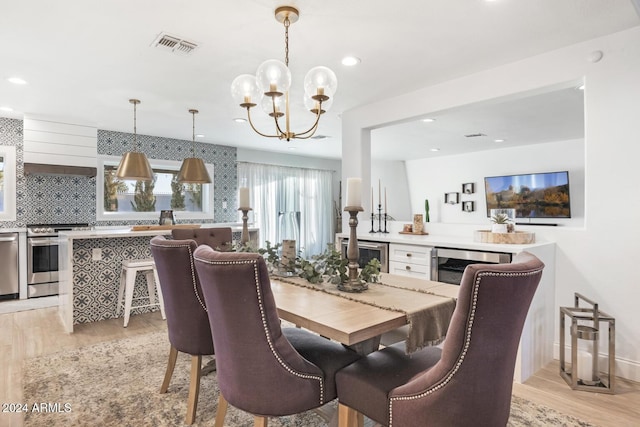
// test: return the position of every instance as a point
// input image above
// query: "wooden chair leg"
(348, 417)
(221, 412)
(260, 421)
(194, 388)
(171, 364)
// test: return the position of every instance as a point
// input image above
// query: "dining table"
(358, 320)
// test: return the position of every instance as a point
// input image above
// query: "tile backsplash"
(48, 199)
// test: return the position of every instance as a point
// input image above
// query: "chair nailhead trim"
(264, 323)
(193, 270)
(467, 341)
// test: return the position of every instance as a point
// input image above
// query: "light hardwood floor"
(29, 334)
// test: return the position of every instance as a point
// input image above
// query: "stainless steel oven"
(42, 258)
(369, 250)
(447, 265)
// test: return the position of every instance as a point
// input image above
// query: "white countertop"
(442, 241)
(125, 231)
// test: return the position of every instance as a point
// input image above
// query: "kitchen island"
(90, 263)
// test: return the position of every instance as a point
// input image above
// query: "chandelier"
(134, 164)
(193, 169)
(270, 86)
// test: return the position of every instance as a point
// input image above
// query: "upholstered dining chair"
(263, 369)
(187, 320)
(469, 381)
(219, 238)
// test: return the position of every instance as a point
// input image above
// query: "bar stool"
(130, 269)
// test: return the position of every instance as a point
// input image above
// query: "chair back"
(219, 238)
(473, 378)
(259, 371)
(187, 320)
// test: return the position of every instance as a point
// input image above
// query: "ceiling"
(84, 59)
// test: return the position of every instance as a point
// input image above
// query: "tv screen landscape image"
(534, 195)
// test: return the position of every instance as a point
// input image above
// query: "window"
(137, 200)
(7, 183)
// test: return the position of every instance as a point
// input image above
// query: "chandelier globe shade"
(134, 165)
(244, 90)
(271, 85)
(193, 170)
(320, 80)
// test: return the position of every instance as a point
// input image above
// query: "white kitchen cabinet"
(410, 260)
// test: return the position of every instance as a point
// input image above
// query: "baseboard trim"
(625, 368)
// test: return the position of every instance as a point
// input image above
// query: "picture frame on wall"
(468, 188)
(452, 198)
(468, 206)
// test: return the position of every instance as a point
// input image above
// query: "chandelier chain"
(286, 41)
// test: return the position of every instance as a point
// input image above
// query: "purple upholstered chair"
(219, 238)
(469, 382)
(262, 369)
(187, 320)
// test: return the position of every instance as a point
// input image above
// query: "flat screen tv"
(532, 195)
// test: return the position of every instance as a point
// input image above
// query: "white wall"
(597, 259)
(434, 177)
(392, 176)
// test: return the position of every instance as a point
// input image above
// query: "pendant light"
(193, 170)
(134, 164)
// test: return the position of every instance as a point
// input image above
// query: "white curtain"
(290, 203)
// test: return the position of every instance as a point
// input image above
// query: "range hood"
(44, 169)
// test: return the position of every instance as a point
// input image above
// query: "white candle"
(385, 199)
(244, 197)
(585, 366)
(354, 192)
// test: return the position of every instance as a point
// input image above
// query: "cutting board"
(162, 227)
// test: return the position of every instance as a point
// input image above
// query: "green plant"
(177, 194)
(500, 219)
(371, 272)
(143, 199)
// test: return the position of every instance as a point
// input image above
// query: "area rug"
(116, 383)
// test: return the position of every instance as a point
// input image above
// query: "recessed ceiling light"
(581, 87)
(7, 109)
(292, 148)
(319, 137)
(199, 135)
(239, 120)
(498, 140)
(350, 61)
(17, 81)
(435, 149)
(429, 120)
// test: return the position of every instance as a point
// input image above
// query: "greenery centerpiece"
(329, 265)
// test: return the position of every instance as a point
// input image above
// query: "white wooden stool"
(130, 269)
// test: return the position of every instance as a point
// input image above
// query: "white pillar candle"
(585, 366)
(354, 192)
(244, 198)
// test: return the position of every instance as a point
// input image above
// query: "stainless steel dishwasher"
(9, 287)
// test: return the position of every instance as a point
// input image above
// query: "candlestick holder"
(372, 218)
(379, 218)
(244, 237)
(353, 283)
(385, 223)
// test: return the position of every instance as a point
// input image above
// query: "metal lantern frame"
(593, 316)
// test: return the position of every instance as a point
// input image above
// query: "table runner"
(428, 305)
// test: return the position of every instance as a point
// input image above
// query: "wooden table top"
(341, 319)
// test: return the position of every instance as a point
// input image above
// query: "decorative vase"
(498, 228)
(426, 210)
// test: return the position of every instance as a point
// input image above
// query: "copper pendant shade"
(193, 169)
(134, 164)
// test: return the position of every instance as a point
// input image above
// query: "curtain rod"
(287, 167)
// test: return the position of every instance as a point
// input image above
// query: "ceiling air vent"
(174, 44)
(474, 135)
